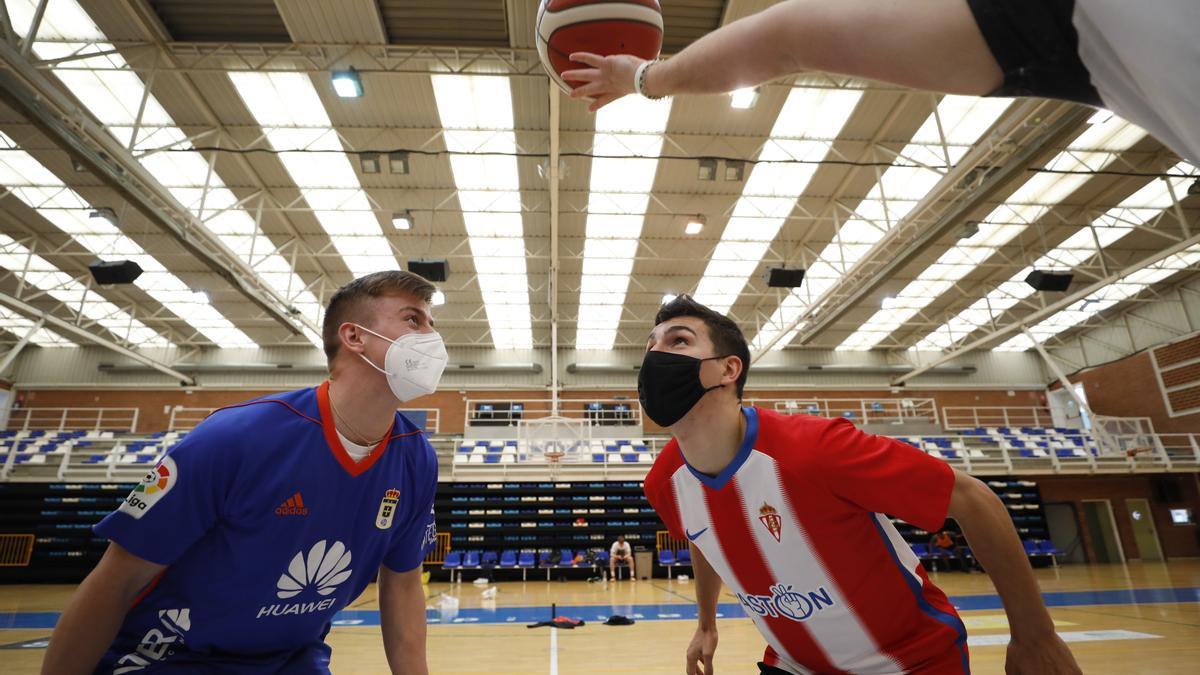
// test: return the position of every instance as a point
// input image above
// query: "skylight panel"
(313, 156)
(625, 149)
(775, 182)
(962, 120)
(114, 97)
(476, 113)
(68, 211)
(1099, 145)
(1119, 221)
(20, 326)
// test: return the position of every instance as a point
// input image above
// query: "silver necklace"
(358, 434)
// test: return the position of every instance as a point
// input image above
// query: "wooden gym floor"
(1135, 618)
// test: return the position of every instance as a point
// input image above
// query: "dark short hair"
(348, 303)
(726, 337)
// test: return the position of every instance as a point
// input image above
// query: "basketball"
(603, 27)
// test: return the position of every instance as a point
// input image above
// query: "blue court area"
(677, 612)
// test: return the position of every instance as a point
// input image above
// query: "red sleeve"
(883, 475)
(660, 492)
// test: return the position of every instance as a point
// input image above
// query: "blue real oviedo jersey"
(267, 528)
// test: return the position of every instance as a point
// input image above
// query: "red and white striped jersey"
(795, 527)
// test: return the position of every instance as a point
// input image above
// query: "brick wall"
(1176, 540)
(1129, 388)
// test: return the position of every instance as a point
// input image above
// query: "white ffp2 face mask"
(413, 365)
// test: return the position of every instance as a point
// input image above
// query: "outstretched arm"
(924, 44)
(1035, 648)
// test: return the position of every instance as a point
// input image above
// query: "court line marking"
(1067, 636)
(553, 651)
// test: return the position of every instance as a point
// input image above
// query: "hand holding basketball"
(608, 79)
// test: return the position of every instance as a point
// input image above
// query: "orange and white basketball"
(603, 27)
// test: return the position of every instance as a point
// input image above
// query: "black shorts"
(1037, 47)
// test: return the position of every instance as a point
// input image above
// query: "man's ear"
(733, 369)
(352, 337)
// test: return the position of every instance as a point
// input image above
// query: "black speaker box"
(433, 270)
(1168, 490)
(1049, 281)
(784, 277)
(115, 271)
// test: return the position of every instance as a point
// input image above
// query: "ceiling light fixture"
(402, 220)
(105, 213)
(347, 83)
(735, 170)
(398, 162)
(743, 98)
(694, 225)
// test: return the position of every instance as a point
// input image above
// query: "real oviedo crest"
(770, 518)
(387, 509)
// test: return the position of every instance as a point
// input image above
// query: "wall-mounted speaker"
(434, 270)
(115, 271)
(784, 277)
(1049, 281)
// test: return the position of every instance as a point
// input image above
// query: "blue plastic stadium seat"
(921, 550)
(472, 559)
(598, 457)
(1031, 547)
(666, 557)
(1063, 452)
(546, 559)
(1046, 546)
(453, 560)
(566, 558)
(683, 556)
(489, 559)
(525, 559)
(508, 559)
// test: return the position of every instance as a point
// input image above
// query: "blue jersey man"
(233, 554)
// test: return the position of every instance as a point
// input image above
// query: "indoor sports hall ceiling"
(205, 141)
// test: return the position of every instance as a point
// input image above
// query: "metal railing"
(71, 419)
(501, 412)
(860, 410)
(186, 419)
(972, 417)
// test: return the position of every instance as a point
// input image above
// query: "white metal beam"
(68, 328)
(1052, 308)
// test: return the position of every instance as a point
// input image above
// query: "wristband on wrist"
(639, 80)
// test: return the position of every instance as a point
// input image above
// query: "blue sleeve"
(420, 532)
(177, 501)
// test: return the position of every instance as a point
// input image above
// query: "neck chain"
(349, 427)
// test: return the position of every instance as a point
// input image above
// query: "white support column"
(552, 171)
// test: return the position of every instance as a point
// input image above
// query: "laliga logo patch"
(387, 509)
(770, 518)
(154, 486)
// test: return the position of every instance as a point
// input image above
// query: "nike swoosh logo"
(693, 537)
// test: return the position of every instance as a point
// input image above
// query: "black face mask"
(669, 385)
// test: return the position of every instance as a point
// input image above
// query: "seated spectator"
(621, 551)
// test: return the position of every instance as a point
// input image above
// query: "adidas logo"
(294, 506)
